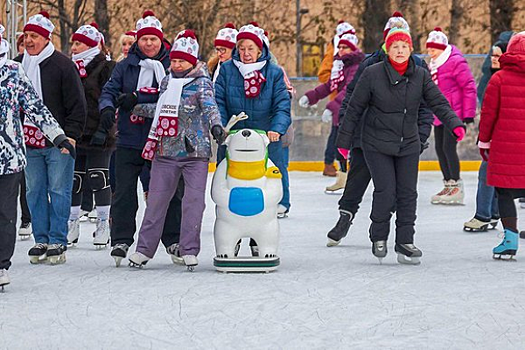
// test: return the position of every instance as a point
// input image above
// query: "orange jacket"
(326, 68)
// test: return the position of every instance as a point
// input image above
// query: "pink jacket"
(458, 85)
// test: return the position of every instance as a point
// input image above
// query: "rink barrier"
(424, 165)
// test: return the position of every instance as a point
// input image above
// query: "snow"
(335, 298)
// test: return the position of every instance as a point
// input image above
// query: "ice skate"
(476, 225)
(138, 260)
(38, 253)
(282, 212)
(56, 254)
(341, 228)
(437, 198)
(494, 223)
(174, 252)
(92, 216)
(190, 261)
(329, 170)
(339, 186)
(4, 279)
(73, 232)
(83, 215)
(119, 252)
(507, 249)
(25, 231)
(101, 234)
(455, 195)
(380, 250)
(408, 254)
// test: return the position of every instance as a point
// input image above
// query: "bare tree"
(103, 20)
(374, 17)
(456, 15)
(501, 13)
(411, 10)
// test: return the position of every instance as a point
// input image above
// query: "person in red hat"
(126, 40)
(224, 44)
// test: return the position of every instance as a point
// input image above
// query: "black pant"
(26, 215)
(91, 177)
(9, 189)
(506, 196)
(357, 182)
(331, 152)
(447, 154)
(395, 190)
(128, 166)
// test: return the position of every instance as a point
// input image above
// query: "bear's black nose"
(246, 133)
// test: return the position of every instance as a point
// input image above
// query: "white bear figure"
(247, 189)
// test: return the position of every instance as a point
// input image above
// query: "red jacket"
(503, 119)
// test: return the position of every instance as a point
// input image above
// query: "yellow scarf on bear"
(251, 170)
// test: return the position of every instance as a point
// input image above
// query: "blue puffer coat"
(270, 111)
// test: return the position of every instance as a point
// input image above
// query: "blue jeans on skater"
(330, 152)
(486, 198)
(49, 176)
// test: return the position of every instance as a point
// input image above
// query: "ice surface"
(320, 298)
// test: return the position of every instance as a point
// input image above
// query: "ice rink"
(320, 298)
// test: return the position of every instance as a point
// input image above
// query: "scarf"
(336, 43)
(150, 69)
(253, 79)
(337, 76)
(84, 58)
(32, 135)
(165, 123)
(401, 68)
(216, 73)
(438, 62)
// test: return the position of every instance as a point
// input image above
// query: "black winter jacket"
(392, 102)
(426, 118)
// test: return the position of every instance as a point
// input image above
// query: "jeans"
(486, 197)
(49, 176)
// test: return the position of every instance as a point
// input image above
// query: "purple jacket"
(458, 85)
(351, 63)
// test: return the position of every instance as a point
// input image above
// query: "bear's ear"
(266, 139)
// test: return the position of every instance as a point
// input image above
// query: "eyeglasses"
(220, 50)
(342, 47)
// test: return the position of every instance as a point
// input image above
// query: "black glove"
(468, 120)
(424, 146)
(107, 119)
(98, 138)
(218, 134)
(127, 101)
(67, 145)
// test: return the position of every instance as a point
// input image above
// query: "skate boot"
(329, 170)
(56, 254)
(476, 225)
(174, 252)
(101, 234)
(507, 249)
(437, 198)
(73, 232)
(455, 195)
(190, 261)
(282, 212)
(138, 260)
(4, 279)
(119, 252)
(408, 254)
(340, 183)
(83, 215)
(494, 222)
(341, 228)
(379, 249)
(38, 253)
(25, 231)
(92, 216)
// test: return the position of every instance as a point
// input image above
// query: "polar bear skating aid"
(247, 189)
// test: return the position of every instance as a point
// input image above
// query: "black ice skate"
(380, 250)
(174, 252)
(56, 254)
(119, 252)
(341, 228)
(408, 254)
(38, 253)
(25, 231)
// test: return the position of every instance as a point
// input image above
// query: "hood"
(455, 51)
(352, 58)
(514, 58)
(504, 37)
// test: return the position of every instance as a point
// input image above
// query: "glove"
(218, 134)
(67, 145)
(304, 102)
(460, 133)
(98, 138)
(484, 148)
(327, 116)
(107, 119)
(127, 101)
(424, 146)
(468, 120)
(343, 152)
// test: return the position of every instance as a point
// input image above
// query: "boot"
(455, 195)
(508, 247)
(73, 231)
(437, 198)
(329, 170)
(340, 183)
(341, 228)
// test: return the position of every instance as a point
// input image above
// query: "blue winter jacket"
(270, 111)
(124, 80)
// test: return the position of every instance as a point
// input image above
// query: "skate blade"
(57, 259)
(483, 228)
(135, 265)
(506, 256)
(118, 260)
(38, 259)
(493, 226)
(282, 216)
(380, 261)
(334, 192)
(99, 246)
(2, 287)
(332, 243)
(191, 268)
(24, 237)
(405, 260)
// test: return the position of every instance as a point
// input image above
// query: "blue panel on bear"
(246, 201)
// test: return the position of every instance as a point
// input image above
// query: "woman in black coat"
(388, 95)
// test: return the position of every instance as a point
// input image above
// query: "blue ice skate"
(508, 247)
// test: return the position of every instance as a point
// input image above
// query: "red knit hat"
(186, 48)
(398, 34)
(396, 20)
(437, 39)
(88, 34)
(349, 40)
(253, 32)
(40, 24)
(149, 25)
(227, 36)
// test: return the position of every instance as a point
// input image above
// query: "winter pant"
(49, 176)
(507, 207)
(331, 153)
(26, 215)
(87, 203)
(145, 178)
(447, 154)
(486, 198)
(92, 172)
(9, 189)
(395, 190)
(128, 166)
(357, 182)
(275, 152)
(165, 176)
(112, 175)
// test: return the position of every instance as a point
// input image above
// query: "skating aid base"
(246, 264)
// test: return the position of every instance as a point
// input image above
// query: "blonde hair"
(124, 37)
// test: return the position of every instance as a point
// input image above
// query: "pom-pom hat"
(349, 40)
(344, 28)
(149, 25)
(396, 20)
(40, 24)
(185, 48)
(437, 39)
(398, 34)
(227, 36)
(253, 32)
(88, 34)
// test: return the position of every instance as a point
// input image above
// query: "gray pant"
(165, 174)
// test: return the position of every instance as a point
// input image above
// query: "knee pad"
(78, 179)
(98, 179)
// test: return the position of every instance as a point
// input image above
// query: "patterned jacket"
(16, 95)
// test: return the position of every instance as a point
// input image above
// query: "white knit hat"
(186, 48)
(227, 36)
(437, 39)
(349, 40)
(4, 44)
(396, 20)
(253, 32)
(40, 24)
(149, 25)
(344, 28)
(88, 34)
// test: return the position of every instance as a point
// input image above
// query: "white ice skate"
(83, 215)
(437, 198)
(25, 231)
(73, 232)
(138, 260)
(339, 186)
(190, 261)
(174, 252)
(282, 212)
(475, 225)
(455, 195)
(101, 234)
(92, 216)
(4, 279)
